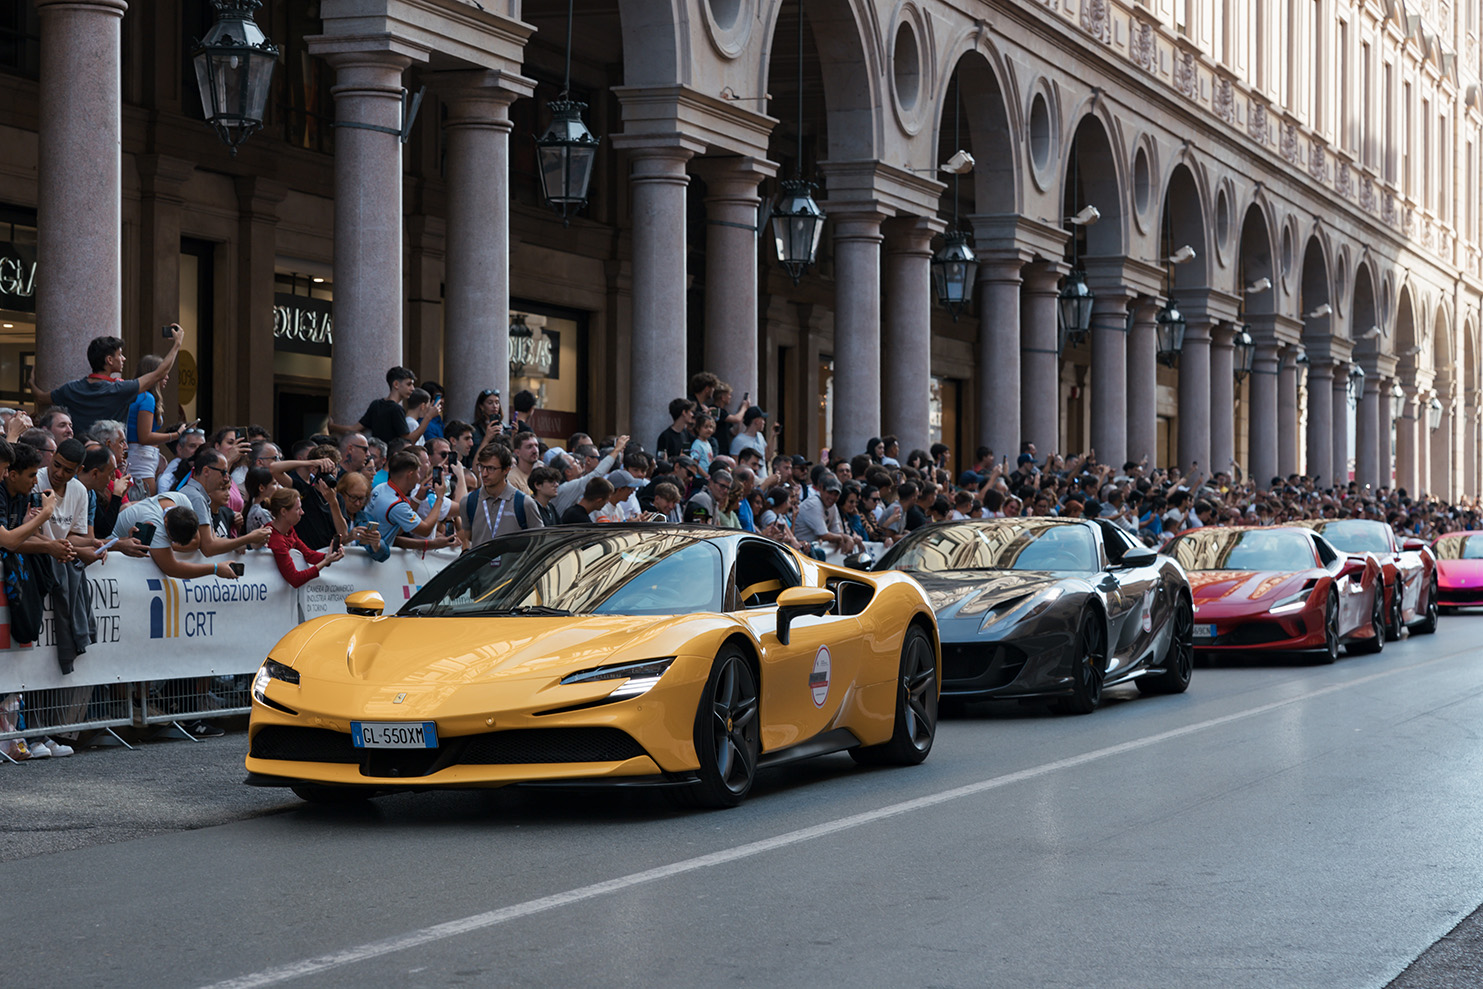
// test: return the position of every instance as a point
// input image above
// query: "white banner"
(153, 627)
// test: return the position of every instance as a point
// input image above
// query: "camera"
(165, 331)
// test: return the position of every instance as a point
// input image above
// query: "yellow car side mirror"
(796, 602)
(366, 603)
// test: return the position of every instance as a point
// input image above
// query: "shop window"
(20, 38)
(303, 335)
(547, 345)
(17, 302)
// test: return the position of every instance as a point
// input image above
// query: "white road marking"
(492, 918)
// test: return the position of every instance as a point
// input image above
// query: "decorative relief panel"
(1225, 101)
(1186, 80)
(1289, 144)
(1143, 50)
(1096, 21)
(1256, 124)
(1344, 180)
(1367, 194)
(1387, 209)
(1318, 162)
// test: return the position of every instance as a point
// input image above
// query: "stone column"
(1222, 398)
(368, 228)
(1194, 399)
(1406, 473)
(1340, 393)
(731, 269)
(906, 333)
(1320, 422)
(246, 360)
(857, 330)
(1385, 445)
(1109, 384)
(1469, 451)
(1367, 435)
(657, 356)
(1000, 284)
(1143, 384)
(1040, 361)
(79, 195)
(1441, 454)
(1287, 414)
(476, 331)
(1263, 417)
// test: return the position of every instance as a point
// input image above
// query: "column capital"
(1002, 268)
(113, 7)
(733, 176)
(1011, 232)
(886, 187)
(479, 95)
(1044, 277)
(1223, 336)
(911, 234)
(856, 222)
(674, 145)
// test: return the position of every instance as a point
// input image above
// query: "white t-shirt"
(71, 512)
(412, 428)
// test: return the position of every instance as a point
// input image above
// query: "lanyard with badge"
(499, 516)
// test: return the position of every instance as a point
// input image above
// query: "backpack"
(472, 498)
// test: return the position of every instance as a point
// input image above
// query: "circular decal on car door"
(818, 680)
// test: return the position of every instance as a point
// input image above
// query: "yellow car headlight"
(640, 676)
(272, 670)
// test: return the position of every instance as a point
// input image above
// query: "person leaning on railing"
(287, 509)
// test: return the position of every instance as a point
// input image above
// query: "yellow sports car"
(639, 654)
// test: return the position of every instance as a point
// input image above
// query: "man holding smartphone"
(106, 393)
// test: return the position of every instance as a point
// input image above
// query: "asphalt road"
(1279, 825)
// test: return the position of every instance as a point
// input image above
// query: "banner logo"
(411, 587)
(164, 609)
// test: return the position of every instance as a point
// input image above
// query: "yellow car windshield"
(586, 572)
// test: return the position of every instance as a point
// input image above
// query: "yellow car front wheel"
(727, 732)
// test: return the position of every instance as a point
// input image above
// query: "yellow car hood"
(432, 651)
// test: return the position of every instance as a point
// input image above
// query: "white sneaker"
(57, 748)
(36, 750)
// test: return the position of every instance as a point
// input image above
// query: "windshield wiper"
(534, 609)
(423, 609)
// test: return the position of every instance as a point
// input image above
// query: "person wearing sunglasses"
(210, 474)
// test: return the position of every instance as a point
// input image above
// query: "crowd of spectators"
(99, 471)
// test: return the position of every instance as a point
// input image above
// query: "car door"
(1137, 589)
(1409, 570)
(1354, 602)
(804, 683)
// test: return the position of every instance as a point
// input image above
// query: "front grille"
(523, 746)
(973, 662)
(515, 747)
(1254, 634)
(1447, 595)
(291, 744)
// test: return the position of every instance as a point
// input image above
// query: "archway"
(1269, 395)
(1371, 417)
(1203, 377)
(1316, 311)
(1442, 481)
(1411, 448)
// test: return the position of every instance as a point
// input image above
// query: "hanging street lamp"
(1169, 326)
(568, 150)
(1245, 356)
(1434, 414)
(234, 72)
(1074, 306)
(1356, 383)
(955, 266)
(1397, 400)
(797, 221)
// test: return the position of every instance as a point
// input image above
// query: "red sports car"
(1410, 570)
(1459, 569)
(1280, 590)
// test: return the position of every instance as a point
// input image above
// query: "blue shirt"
(143, 403)
(744, 513)
(395, 515)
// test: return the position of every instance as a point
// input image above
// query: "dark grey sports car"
(1054, 608)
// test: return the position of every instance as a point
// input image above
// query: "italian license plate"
(394, 734)
(1204, 631)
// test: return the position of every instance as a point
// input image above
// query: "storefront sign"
(18, 277)
(302, 325)
(536, 356)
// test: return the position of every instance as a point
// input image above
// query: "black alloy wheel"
(1330, 651)
(1428, 623)
(1090, 668)
(916, 707)
(727, 732)
(1179, 658)
(1377, 624)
